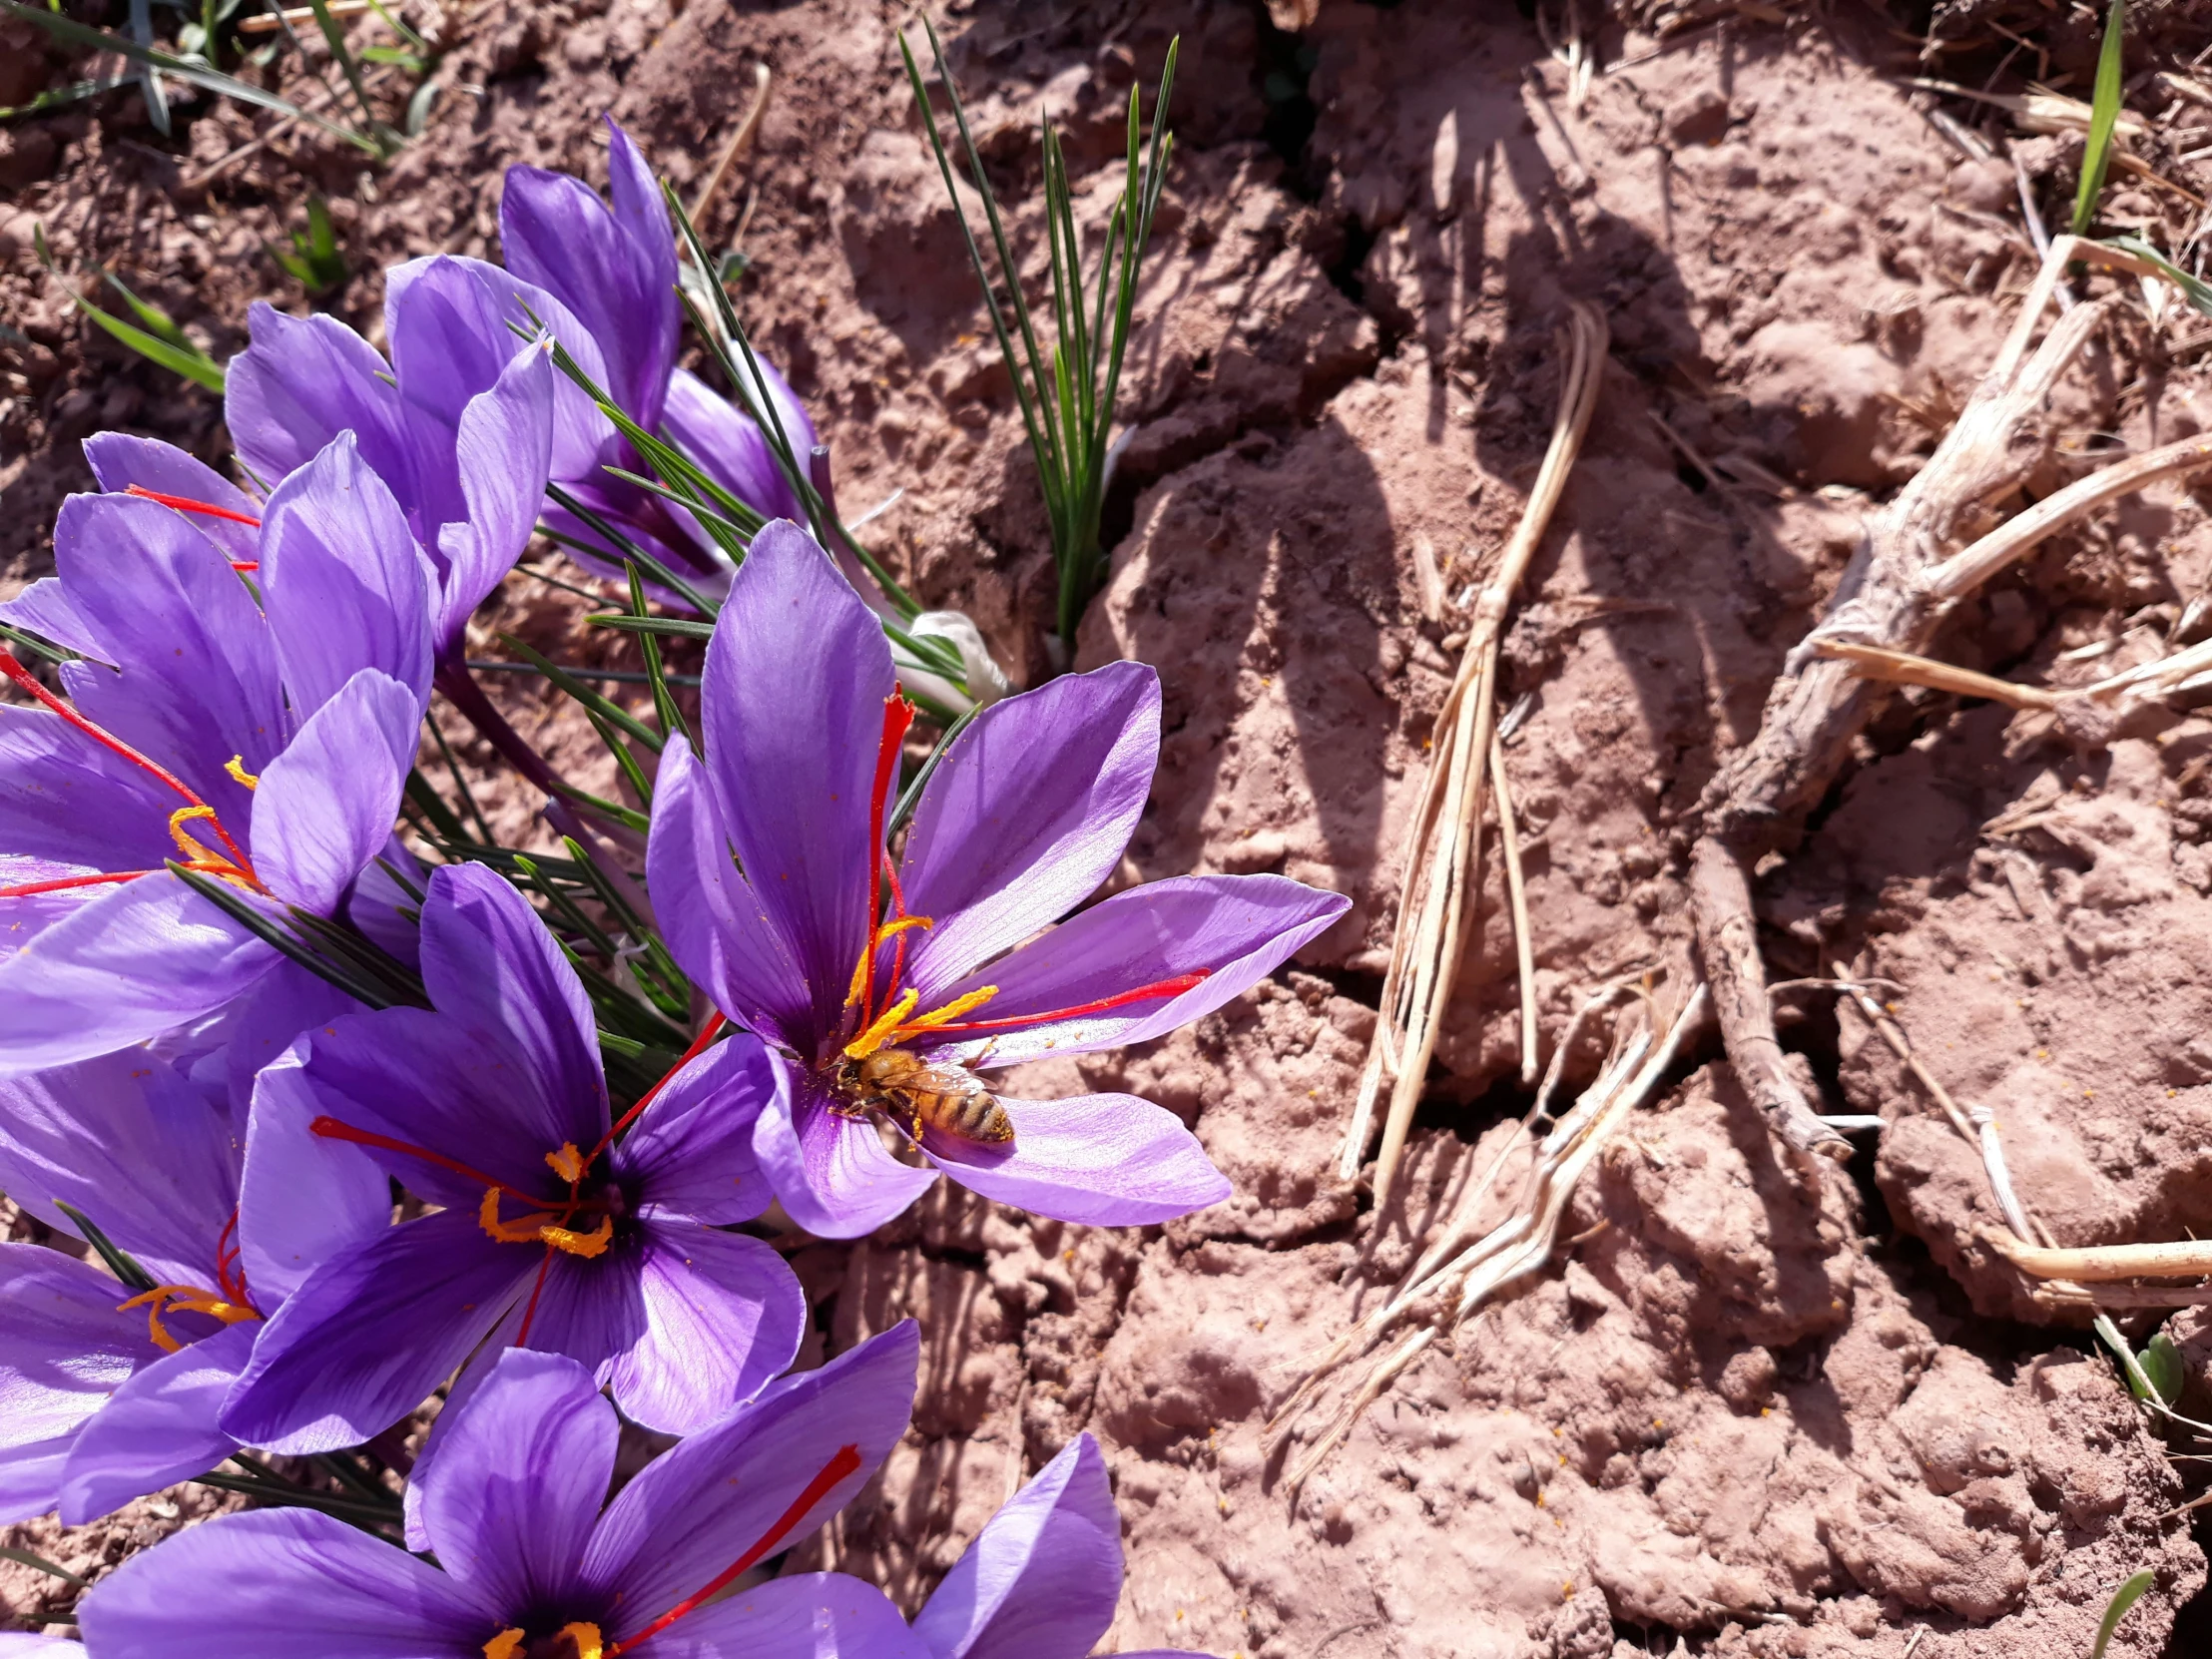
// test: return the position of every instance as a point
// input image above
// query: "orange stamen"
(843, 1464)
(184, 1299)
(184, 504)
(24, 678)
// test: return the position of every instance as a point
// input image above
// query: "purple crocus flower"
(962, 967)
(464, 437)
(260, 733)
(554, 1234)
(531, 1568)
(17, 1646)
(107, 1394)
(1042, 1579)
(602, 282)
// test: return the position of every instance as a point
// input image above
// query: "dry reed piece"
(1437, 904)
(1927, 549)
(1455, 1279)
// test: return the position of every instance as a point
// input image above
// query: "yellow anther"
(163, 1300)
(860, 975)
(589, 1644)
(590, 1244)
(901, 925)
(528, 1230)
(236, 767)
(177, 822)
(877, 1035)
(505, 1645)
(567, 1162)
(952, 1010)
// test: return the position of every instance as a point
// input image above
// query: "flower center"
(227, 858)
(579, 1640)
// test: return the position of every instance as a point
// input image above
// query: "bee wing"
(944, 1078)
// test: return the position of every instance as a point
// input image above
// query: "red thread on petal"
(1166, 987)
(843, 1464)
(184, 504)
(898, 715)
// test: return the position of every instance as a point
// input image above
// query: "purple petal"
(304, 1198)
(199, 678)
(372, 1332)
(326, 806)
(1042, 1577)
(832, 1174)
(46, 609)
(667, 533)
(730, 448)
(64, 1347)
(31, 1477)
(1236, 930)
(158, 1429)
(724, 1316)
(489, 964)
(427, 1080)
(135, 961)
(691, 1154)
(383, 909)
(449, 320)
(1026, 816)
(1105, 1160)
(715, 925)
(504, 450)
(554, 230)
(65, 797)
(260, 1026)
(23, 1646)
(120, 460)
(302, 382)
(27, 916)
(724, 1491)
(342, 582)
(128, 1139)
(521, 1472)
(811, 1615)
(278, 1584)
(797, 676)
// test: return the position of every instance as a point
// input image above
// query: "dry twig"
(1437, 900)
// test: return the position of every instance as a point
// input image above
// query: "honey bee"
(919, 1094)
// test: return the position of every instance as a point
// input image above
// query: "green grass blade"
(594, 702)
(2130, 1591)
(664, 700)
(681, 628)
(120, 1262)
(433, 806)
(191, 363)
(210, 80)
(460, 780)
(38, 1563)
(55, 96)
(910, 797)
(150, 78)
(276, 939)
(2193, 288)
(335, 38)
(622, 547)
(2104, 115)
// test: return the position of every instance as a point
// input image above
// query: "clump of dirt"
(1747, 1406)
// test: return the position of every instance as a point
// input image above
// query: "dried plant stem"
(1900, 584)
(1437, 901)
(1901, 668)
(741, 141)
(1517, 892)
(2099, 1264)
(1443, 1294)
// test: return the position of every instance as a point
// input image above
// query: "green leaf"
(279, 940)
(335, 38)
(675, 627)
(624, 548)
(2163, 1367)
(592, 701)
(55, 96)
(191, 363)
(910, 797)
(120, 1261)
(68, 29)
(2127, 1595)
(2197, 291)
(664, 700)
(2104, 115)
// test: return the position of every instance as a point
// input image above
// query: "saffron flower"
(463, 437)
(880, 982)
(604, 284)
(108, 1392)
(532, 1569)
(1042, 1579)
(558, 1230)
(260, 733)
(13, 1646)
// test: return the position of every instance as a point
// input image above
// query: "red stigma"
(846, 1461)
(184, 504)
(898, 715)
(1143, 993)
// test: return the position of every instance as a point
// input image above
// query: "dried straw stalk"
(1437, 902)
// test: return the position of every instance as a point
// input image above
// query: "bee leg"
(985, 1054)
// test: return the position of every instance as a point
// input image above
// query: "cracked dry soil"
(1744, 1414)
